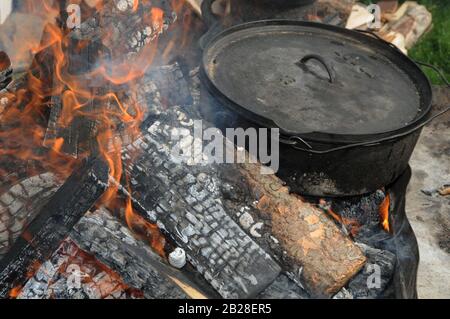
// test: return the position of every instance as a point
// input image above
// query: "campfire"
(95, 204)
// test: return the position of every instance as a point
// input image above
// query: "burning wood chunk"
(20, 205)
(102, 235)
(372, 282)
(186, 204)
(126, 29)
(164, 85)
(54, 222)
(71, 273)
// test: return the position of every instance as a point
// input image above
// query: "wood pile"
(402, 25)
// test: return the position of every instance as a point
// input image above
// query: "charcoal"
(53, 223)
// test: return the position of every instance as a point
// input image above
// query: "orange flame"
(351, 225)
(147, 230)
(50, 76)
(384, 213)
(15, 292)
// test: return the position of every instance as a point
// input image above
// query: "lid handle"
(322, 61)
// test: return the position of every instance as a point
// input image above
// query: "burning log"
(53, 224)
(188, 204)
(103, 236)
(20, 205)
(71, 273)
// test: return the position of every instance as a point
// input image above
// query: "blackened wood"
(71, 273)
(187, 206)
(78, 194)
(20, 205)
(102, 235)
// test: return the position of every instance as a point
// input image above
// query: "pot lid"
(308, 77)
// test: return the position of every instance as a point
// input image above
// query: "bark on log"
(310, 237)
(54, 222)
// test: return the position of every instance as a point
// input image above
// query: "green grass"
(434, 47)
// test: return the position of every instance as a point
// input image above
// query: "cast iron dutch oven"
(250, 10)
(349, 107)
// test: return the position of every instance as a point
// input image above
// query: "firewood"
(188, 205)
(184, 202)
(102, 235)
(55, 220)
(412, 24)
(20, 205)
(71, 273)
(359, 17)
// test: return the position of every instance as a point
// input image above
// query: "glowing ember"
(384, 213)
(15, 292)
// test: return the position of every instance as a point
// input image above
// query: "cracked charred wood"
(103, 236)
(70, 273)
(20, 205)
(187, 203)
(55, 220)
(372, 282)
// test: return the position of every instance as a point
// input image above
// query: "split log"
(411, 25)
(102, 235)
(186, 205)
(55, 220)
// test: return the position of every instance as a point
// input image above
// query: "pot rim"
(414, 72)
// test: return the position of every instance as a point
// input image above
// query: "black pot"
(249, 10)
(360, 143)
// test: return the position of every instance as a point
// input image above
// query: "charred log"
(20, 205)
(54, 222)
(109, 241)
(71, 273)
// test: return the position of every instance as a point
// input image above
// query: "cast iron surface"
(352, 85)
(250, 10)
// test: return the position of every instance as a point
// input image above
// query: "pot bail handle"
(322, 61)
(208, 16)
